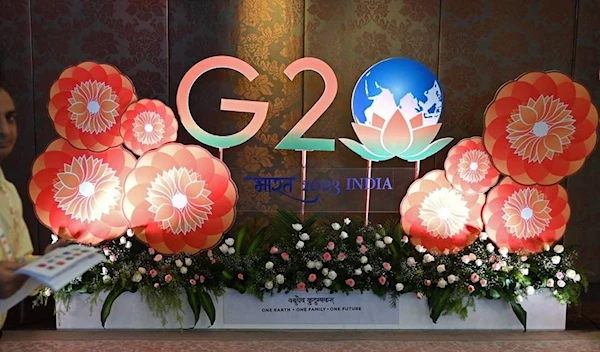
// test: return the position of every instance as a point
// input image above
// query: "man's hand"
(9, 281)
(55, 245)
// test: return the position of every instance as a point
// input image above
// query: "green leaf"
(495, 294)
(438, 303)
(108, 302)
(226, 275)
(239, 240)
(258, 240)
(208, 306)
(194, 301)
(520, 313)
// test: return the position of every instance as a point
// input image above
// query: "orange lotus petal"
(397, 134)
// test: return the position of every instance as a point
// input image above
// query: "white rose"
(357, 272)
(530, 290)
(106, 279)
(137, 277)
(230, 241)
(399, 287)
(269, 285)
(142, 271)
(104, 271)
(280, 279)
(178, 263)
(525, 271)
(128, 245)
(368, 268)
(300, 245)
(441, 268)
(332, 275)
(347, 221)
(411, 261)
(335, 226)
(269, 265)
(224, 248)
(519, 299)
(304, 237)
(379, 244)
(129, 233)
(318, 265)
(297, 227)
(421, 249)
(490, 247)
(524, 258)
(327, 282)
(465, 259)
(558, 249)
(483, 236)
(550, 283)
(442, 283)
(231, 251)
(503, 251)
(325, 271)
(183, 270)
(451, 279)
(364, 260)
(343, 235)
(377, 236)
(310, 264)
(546, 247)
(571, 274)
(472, 257)
(577, 278)
(188, 261)
(479, 262)
(388, 240)
(428, 258)
(555, 260)
(561, 283)
(122, 240)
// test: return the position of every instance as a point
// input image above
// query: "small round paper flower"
(469, 168)
(78, 194)
(525, 218)
(540, 128)
(180, 199)
(86, 104)
(439, 217)
(148, 124)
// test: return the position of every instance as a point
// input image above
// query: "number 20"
(293, 140)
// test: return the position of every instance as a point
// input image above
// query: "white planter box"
(317, 311)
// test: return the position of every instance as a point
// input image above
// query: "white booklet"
(54, 270)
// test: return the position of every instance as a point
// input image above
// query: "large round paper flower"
(469, 168)
(78, 193)
(525, 218)
(180, 199)
(439, 217)
(86, 104)
(148, 124)
(540, 128)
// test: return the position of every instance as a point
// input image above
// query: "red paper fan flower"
(78, 193)
(469, 168)
(86, 104)
(439, 217)
(180, 199)
(525, 218)
(147, 125)
(540, 128)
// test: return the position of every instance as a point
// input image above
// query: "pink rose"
(168, 278)
(387, 266)
(404, 239)
(326, 256)
(192, 282)
(560, 275)
(196, 277)
(301, 286)
(153, 273)
(493, 259)
(360, 239)
(158, 258)
(483, 282)
(274, 250)
(363, 249)
(151, 251)
(106, 250)
(209, 253)
(330, 246)
(312, 278)
(341, 256)
(427, 282)
(474, 277)
(240, 276)
(419, 295)
(496, 266)
(213, 260)
(350, 282)
(285, 256)
(157, 285)
(471, 288)
(202, 278)
(382, 280)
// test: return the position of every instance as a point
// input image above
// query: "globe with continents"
(397, 84)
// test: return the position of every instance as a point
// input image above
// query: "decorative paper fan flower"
(439, 217)
(78, 193)
(86, 104)
(540, 128)
(469, 168)
(525, 218)
(180, 199)
(148, 124)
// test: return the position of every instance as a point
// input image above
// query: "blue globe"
(397, 84)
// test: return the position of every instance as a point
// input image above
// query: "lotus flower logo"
(397, 104)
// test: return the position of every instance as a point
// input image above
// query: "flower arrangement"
(342, 256)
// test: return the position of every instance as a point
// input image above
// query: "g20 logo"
(396, 106)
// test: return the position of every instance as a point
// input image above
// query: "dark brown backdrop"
(473, 45)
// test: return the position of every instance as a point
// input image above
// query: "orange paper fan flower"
(469, 168)
(439, 217)
(180, 198)
(86, 104)
(540, 128)
(148, 124)
(525, 218)
(78, 193)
